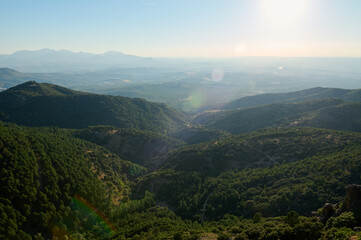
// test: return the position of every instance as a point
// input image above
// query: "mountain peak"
(33, 88)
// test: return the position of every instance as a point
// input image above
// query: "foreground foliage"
(56, 186)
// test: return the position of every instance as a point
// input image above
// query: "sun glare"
(283, 13)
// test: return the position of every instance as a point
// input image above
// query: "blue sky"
(185, 28)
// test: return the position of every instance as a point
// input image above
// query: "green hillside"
(138, 146)
(46, 175)
(38, 104)
(311, 167)
(293, 97)
(257, 149)
(193, 135)
(54, 185)
(325, 113)
(193, 181)
(345, 116)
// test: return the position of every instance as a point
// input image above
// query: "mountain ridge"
(331, 113)
(40, 104)
(50, 60)
(293, 97)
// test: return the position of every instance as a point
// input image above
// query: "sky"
(185, 28)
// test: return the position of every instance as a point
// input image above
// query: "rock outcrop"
(352, 201)
(327, 211)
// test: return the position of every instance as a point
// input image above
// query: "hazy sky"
(184, 28)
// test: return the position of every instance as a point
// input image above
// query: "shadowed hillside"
(292, 97)
(257, 149)
(325, 113)
(38, 104)
(272, 172)
(138, 146)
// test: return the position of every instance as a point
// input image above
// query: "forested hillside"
(193, 181)
(46, 174)
(138, 146)
(193, 135)
(35, 104)
(180, 120)
(257, 149)
(301, 185)
(326, 113)
(293, 97)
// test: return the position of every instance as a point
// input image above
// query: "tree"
(292, 218)
(257, 217)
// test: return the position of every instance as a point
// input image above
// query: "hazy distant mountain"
(92, 81)
(41, 104)
(10, 78)
(48, 60)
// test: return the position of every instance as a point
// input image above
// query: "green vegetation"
(191, 183)
(45, 171)
(138, 146)
(314, 169)
(301, 186)
(295, 97)
(193, 135)
(262, 148)
(326, 113)
(48, 175)
(35, 104)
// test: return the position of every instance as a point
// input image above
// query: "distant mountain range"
(49, 60)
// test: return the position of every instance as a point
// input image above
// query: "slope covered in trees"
(46, 176)
(193, 135)
(257, 149)
(35, 104)
(302, 186)
(194, 182)
(55, 185)
(326, 113)
(138, 146)
(293, 97)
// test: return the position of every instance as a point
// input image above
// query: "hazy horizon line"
(172, 57)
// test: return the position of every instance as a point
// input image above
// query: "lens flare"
(195, 100)
(86, 207)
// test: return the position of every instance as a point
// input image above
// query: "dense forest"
(87, 166)
(324, 113)
(41, 104)
(295, 97)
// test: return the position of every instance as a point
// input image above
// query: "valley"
(102, 167)
(180, 120)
